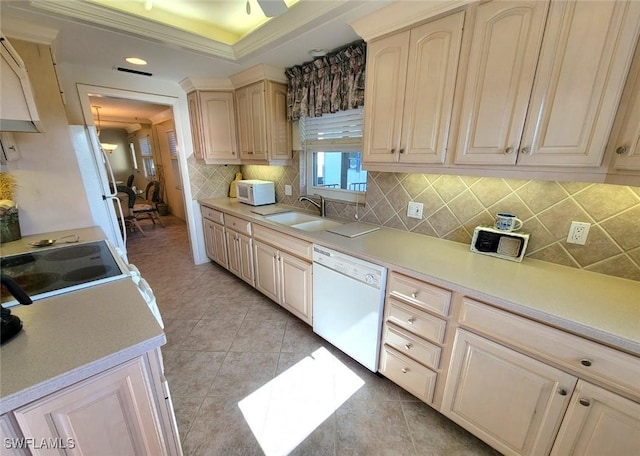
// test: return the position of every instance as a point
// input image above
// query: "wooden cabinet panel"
(296, 286)
(11, 438)
(414, 347)
(509, 400)
(409, 93)
(266, 267)
(407, 373)
(213, 127)
(598, 422)
(495, 90)
(576, 94)
(240, 255)
(112, 413)
(215, 242)
(420, 323)
(419, 293)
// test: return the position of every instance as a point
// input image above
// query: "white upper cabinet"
(544, 94)
(409, 93)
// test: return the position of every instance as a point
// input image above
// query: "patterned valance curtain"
(328, 84)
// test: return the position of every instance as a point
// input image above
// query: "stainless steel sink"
(301, 221)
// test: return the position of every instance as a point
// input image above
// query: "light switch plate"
(288, 191)
(415, 210)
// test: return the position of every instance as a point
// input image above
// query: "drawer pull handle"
(411, 320)
(585, 362)
(621, 150)
(408, 346)
(414, 295)
(584, 401)
(562, 392)
(405, 370)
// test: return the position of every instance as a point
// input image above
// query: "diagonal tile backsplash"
(455, 205)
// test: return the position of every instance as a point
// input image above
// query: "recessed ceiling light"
(318, 52)
(136, 61)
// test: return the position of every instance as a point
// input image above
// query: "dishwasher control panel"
(360, 270)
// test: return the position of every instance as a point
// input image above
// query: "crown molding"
(258, 73)
(19, 29)
(195, 83)
(402, 14)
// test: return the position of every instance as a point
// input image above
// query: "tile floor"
(234, 357)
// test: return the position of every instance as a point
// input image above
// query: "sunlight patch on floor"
(283, 412)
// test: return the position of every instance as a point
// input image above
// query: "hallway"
(239, 365)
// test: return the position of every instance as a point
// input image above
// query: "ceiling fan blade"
(272, 8)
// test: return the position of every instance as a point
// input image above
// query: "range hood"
(18, 110)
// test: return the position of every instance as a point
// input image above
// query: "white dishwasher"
(348, 300)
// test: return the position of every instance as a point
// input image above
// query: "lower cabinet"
(511, 401)
(240, 248)
(215, 242)
(284, 278)
(115, 412)
(529, 389)
(599, 422)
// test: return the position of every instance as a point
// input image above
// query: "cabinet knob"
(405, 370)
(562, 391)
(584, 401)
(526, 151)
(408, 346)
(414, 295)
(585, 362)
(402, 151)
(621, 150)
(411, 320)
(508, 150)
(393, 151)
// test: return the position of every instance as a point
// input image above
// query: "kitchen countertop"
(596, 306)
(72, 336)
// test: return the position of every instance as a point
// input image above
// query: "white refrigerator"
(98, 180)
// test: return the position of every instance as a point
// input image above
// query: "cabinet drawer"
(411, 346)
(237, 224)
(419, 293)
(407, 373)
(414, 320)
(293, 245)
(212, 214)
(585, 358)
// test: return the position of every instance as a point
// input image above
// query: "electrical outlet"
(578, 233)
(288, 190)
(415, 210)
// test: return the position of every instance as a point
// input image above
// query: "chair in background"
(127, 199)
(130, 180)
(149, 209)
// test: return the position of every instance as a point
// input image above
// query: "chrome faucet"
(320, 204)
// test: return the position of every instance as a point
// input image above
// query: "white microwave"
(256, 192)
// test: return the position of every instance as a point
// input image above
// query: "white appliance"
(348, 301)
(99, 181)
(256, 192)
(509, 245)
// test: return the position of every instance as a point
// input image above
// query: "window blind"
(342, 127)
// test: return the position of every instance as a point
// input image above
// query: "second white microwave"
(256, 192)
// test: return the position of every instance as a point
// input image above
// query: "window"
(147, 156)
(134, 160)
(173, 144)
(333, 150)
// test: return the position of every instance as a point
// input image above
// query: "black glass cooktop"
(44, 273)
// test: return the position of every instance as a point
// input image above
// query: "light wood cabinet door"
(240, 257)
(409, 93)
(267, 274)
(504, 41)
(598, 422)
(215, 242)
(296, 286)
(196, 125)
(626, 140)
(112, 413)
(11, 439)
(509, 400)
(263, 129)
(218, 127)
(576, 93)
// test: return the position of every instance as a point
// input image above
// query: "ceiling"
(180, 38)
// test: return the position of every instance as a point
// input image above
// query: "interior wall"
(120, 158)
(50, 192)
